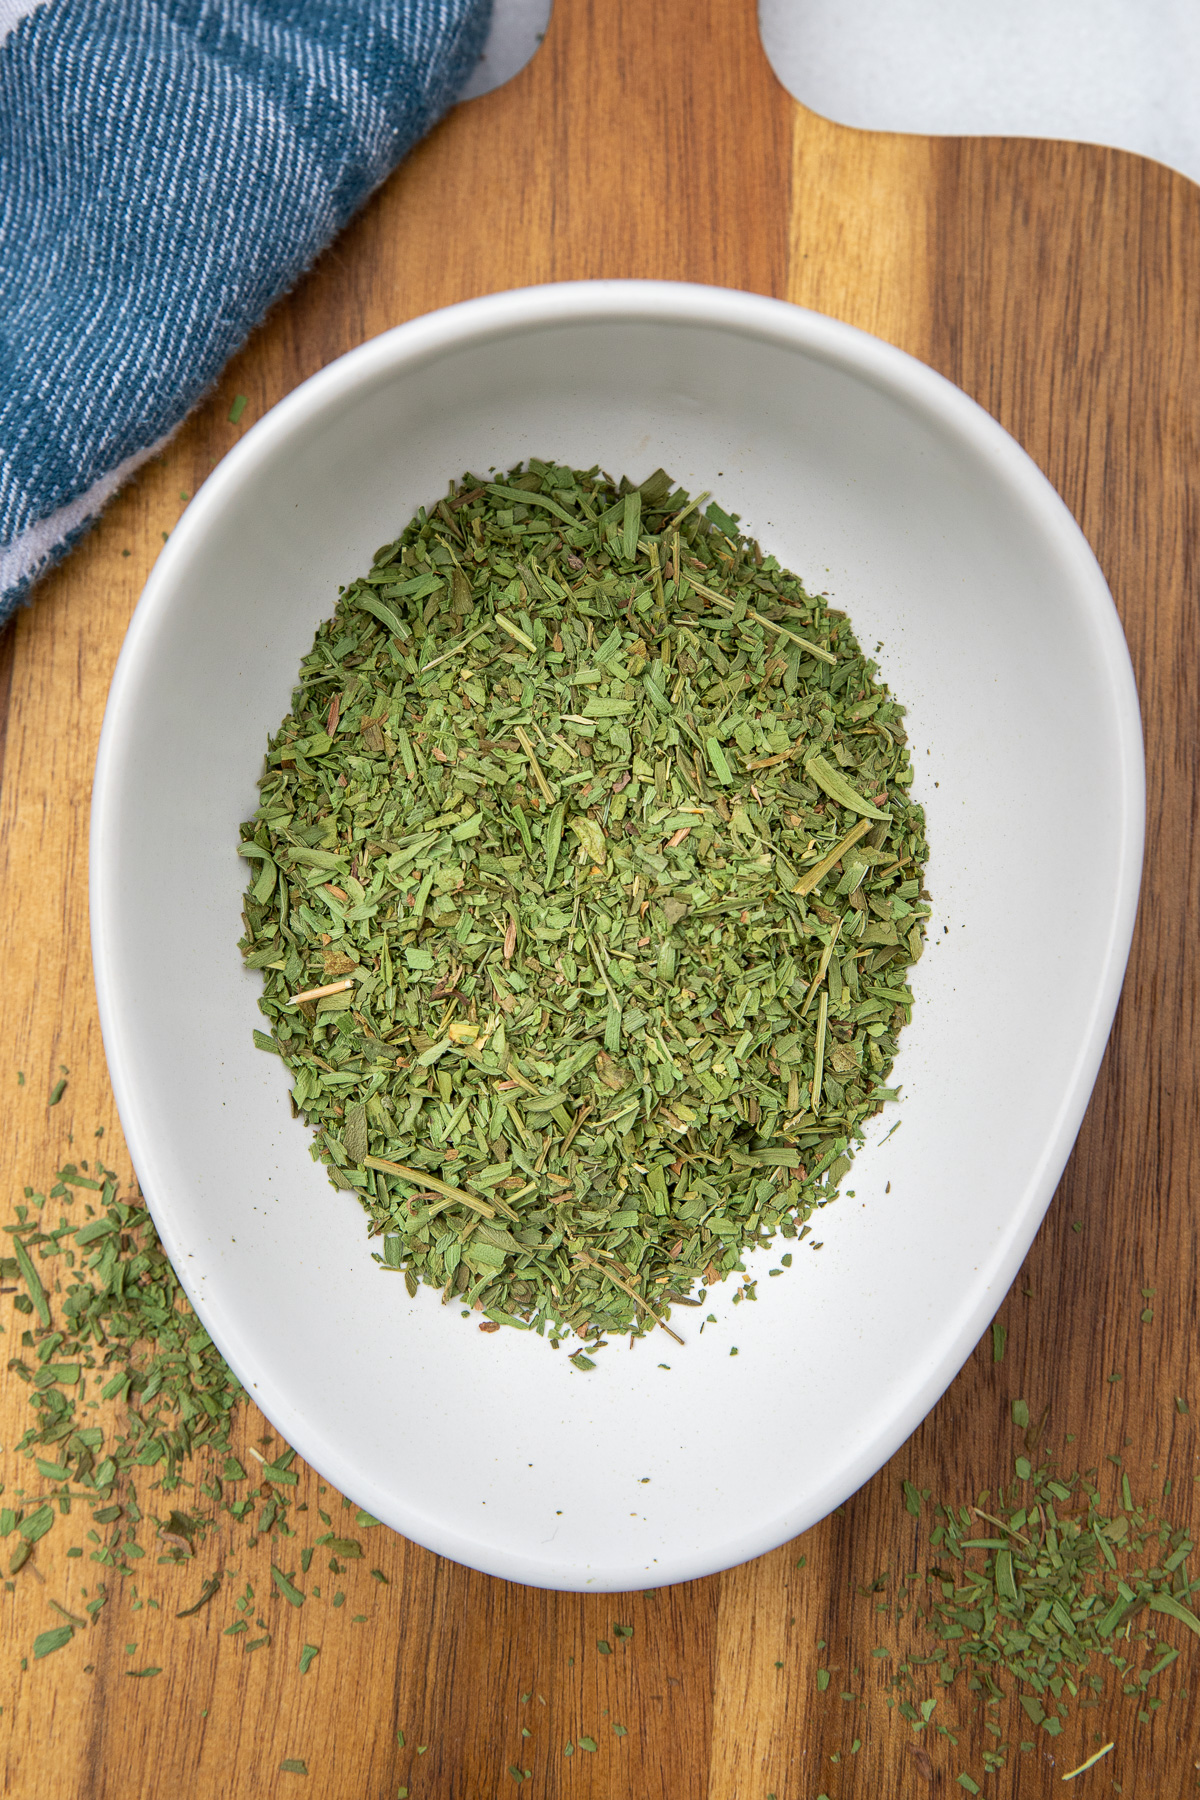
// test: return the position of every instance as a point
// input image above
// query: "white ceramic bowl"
(874, 479)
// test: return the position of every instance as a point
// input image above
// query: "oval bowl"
(876, 481)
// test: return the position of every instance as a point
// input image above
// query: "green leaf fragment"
(719, 763)
(1166, 1603)
(32, 1280)
(554, 831)
(1005, 1579)
(37, 1524)
(55, 1639)
(208, 1590)
(382, 612)
(279, 1477)
(287, 1587)
(354, 1139)
(833, 783)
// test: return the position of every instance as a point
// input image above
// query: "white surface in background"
(1120, 72)
(517, 28)
(13, 11)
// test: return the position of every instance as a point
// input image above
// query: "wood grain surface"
(1059, 285)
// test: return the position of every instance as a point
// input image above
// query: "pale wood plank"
(860, 239)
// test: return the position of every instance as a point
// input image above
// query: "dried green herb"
(211, 1587)
(1089, 1763)
(99, 1291)
(287, 1587)
(584, 886)
(124, 1331)
(1037, 1593)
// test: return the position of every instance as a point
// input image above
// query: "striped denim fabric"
(168, 168)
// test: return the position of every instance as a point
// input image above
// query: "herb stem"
(993, 1520)
(515, 633)
(819, 1058)
(423, 1179)
(708, 593)
(583, 1257)
(815, 876)
(1091, 1761)
(457, 650)
(577, 1121)
(523, 739)
(681, 515)
(822, 971)
(320, 993)
(64, 1614)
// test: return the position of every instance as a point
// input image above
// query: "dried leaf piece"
(592, 839)
(832, 782)
(354, 1139)
(207, 1591)
(606, 1047)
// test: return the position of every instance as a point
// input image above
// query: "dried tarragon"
(1031, 1590)
(585, 885)
(101, 1296)
(126, 1387)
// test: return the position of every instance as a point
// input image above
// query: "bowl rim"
(915, 386)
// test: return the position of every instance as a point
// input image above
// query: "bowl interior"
(873, 480)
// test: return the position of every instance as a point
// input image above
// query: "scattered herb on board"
(122, 1331)
(132, 1403)
(1033, 1592)
(101, 1275)
(584, 885)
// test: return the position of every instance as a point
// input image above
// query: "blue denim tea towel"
(168, 168)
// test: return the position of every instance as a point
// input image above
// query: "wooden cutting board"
(1059, 285)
